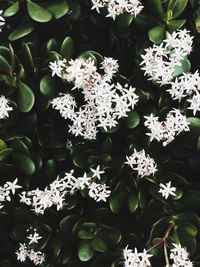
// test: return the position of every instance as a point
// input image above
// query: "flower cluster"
(4, 107)
(25, 252)
(136, 259)
(167, 190)
(2, 20)
(116, 7)
(142, 163)
(6, 190)
(187, 85)
(104, 102)
(180, 257)
(55, 194)
(160, 61)
(166, 130)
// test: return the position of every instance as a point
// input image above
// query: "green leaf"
(57, 246)
(184, 68)
(4, 153)
(174, 25)
(197, 23)
(194, 124)
(22, 30)
(50, 168)
(27, 57)
(12, 10)
(87, 230)
(85, 252)
(67, 48)
(189, 217)
(80, 161)
(26, 97)
(88, 55)
(37, 12)
(117, 200)
(156, 34)
(132, 120)
(2, 145)
(99, 245)
(112, 236)
(52, 44)
(187, 240)
(132, 202)
(189, 229)
(176, 7)
(19, 146)
(67, 223)
(48, 86)
(124, 20)
(57, 8)
(74, 9)
(25, 163)
(4, 65)
(157, 7)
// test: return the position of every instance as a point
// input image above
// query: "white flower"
(12, 186)
(99, 192)
(186, 85)
(55, 193)
(167, 190)
(34, 238)
(117, 7)
(104, 102)
(6, 190)
(195, 103)
(57, 67)
(159, 61)
(96, 172)
(2, 20)
(24, 252)
(66, 105)
(84, 181)
(136, 259)
(166, 130)
(142, 163)
(180, 256)
(4, 107)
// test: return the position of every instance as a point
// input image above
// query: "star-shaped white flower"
(34, 238)
(96, 172)
(12, 186)
(167, 190)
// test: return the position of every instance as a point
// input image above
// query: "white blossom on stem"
(57, 191)
(2, 20)
(166, 130)
(25, 252)
(159, 61)
(34, 238)
(135, 258)
(6, 190)
(166, 190)
(142, 163)
(180, 256)
(186, 85)
(116, 7)
(104, 102)
(4, 107)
